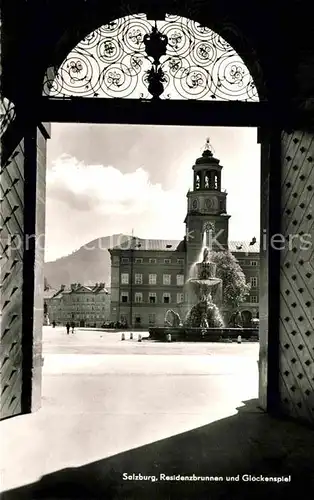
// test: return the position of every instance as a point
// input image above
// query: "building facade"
(86, 306)
(247, 255)
(148, 276)
(146, 281)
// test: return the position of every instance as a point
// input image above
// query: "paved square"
(102, 396)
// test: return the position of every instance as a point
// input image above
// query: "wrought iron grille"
(133, 57)
(7, 114)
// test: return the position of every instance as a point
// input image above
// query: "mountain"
(89, 264)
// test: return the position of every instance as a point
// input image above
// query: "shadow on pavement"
(250, 442)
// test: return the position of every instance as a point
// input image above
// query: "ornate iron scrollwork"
(7, 114)
(132, 57)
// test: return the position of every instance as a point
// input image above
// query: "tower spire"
(208, 148)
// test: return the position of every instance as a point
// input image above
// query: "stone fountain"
(203, 321)
(204, 314)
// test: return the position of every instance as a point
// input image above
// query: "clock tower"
(206, 220)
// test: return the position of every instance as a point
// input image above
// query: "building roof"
(153, 245)
(95, 288)
(100, 290)
(49, 293)
(207, 157)
(178, 245)
(60, 293)
(243, 247)
(82, 289)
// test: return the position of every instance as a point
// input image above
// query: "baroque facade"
(86, 306)
(148, 276)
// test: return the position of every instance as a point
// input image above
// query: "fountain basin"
(210, 282)
(190, 334)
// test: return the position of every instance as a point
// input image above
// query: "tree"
(235, 287)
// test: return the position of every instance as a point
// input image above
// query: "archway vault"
(144, 68)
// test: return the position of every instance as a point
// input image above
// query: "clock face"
(194, 204)
(209, 227)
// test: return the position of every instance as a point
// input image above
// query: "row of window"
(79, 308)
(83, 316)
(246, 263)
(85, 299)
(166, 298)
(152, 279)
(152, 298)
(140, 260)
(166, 279)
(83, 305)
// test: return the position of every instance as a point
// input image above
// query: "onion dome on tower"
(207, 171)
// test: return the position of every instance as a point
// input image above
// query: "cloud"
(87, 201)
(88, 187)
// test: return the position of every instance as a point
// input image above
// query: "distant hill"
(91, 263)
(87, 265)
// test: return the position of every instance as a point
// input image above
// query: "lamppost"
(133, 246)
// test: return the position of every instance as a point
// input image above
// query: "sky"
(111, 179)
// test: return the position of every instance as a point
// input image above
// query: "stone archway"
(192, 72)
(285, 355)
(74, 69)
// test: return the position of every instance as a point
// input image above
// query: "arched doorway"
(120, 63)
(277, 149)
(168, 63)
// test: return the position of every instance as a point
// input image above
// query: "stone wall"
(39, 236)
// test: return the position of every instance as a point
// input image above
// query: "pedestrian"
(53, 324)
(68, 328)
(72, 326)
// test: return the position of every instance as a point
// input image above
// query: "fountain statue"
(236, 320)
(172, 318)
(204, 314)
